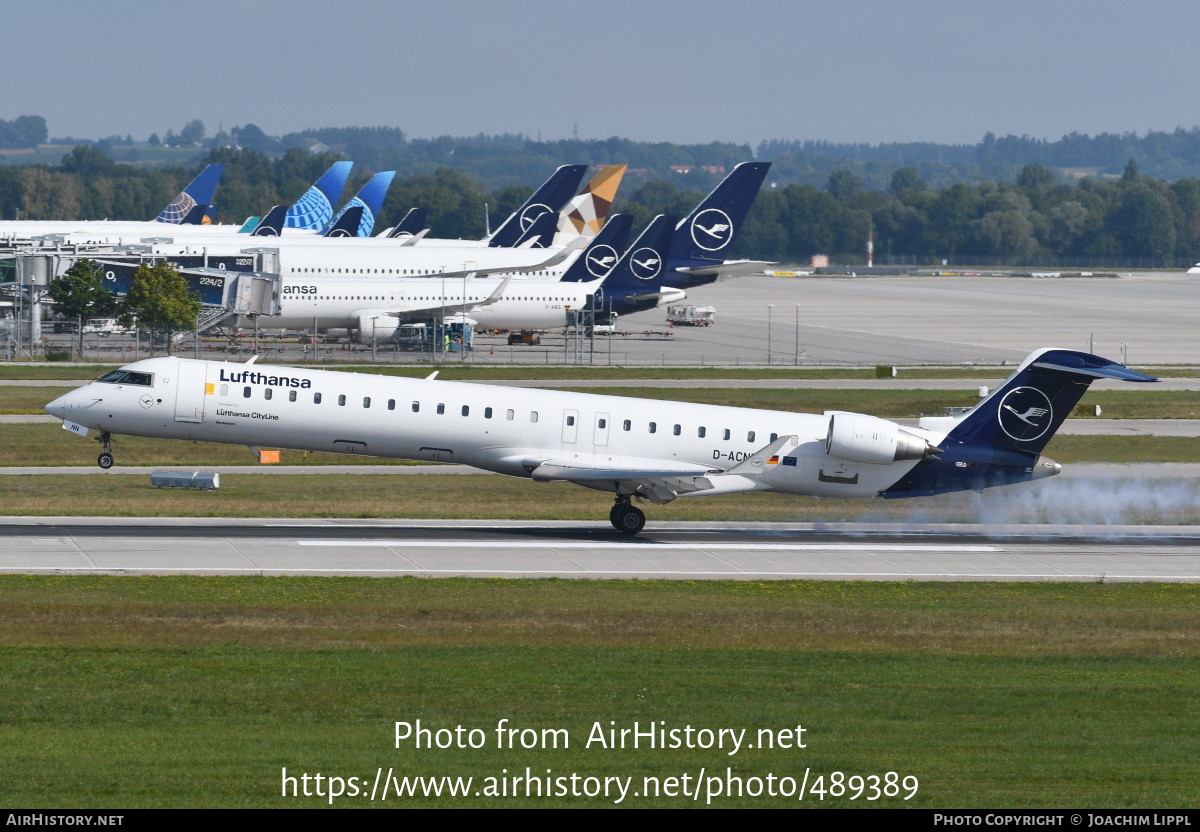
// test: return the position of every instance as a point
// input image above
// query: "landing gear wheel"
(105, 460)
(627, 519)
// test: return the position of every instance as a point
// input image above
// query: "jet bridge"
(245, 284)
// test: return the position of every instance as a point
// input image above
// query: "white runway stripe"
(649, 546)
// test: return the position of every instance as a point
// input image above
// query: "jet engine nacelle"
(378, 325)
(856, 437)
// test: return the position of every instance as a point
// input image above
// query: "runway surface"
(692, 551)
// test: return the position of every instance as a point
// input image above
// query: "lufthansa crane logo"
(531, 214)
(645, 264)
(712, 229)
(1025, 414)
(600, 260)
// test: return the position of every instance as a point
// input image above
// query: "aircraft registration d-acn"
(657, 450)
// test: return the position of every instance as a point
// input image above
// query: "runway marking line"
(651, 546)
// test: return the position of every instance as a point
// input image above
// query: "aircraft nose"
(58, 408)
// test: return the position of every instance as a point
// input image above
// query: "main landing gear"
(626, 518)
(105, 460)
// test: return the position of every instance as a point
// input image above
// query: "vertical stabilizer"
(314, 210)
(199, 191)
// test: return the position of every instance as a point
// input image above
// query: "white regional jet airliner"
(657, 450)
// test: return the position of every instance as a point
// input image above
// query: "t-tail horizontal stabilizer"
(1000, 440)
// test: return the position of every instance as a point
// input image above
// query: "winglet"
(759, 460)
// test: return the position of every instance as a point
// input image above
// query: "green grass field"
(128, 692)
(487, 372)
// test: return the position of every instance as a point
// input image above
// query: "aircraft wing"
(662, 480)
(425, 309)
(415, 238)
(553, 260)
(562, 469)
(730, 268)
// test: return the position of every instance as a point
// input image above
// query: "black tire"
(105, 460)
(628, 519)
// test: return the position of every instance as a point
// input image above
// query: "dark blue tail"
(1000, 440)
(540, 232)
(637, 280)
(603, 252)
(413, 223)
(199, 191)
(704, 236)
(272, 224)
(348, 223)
(550, 198)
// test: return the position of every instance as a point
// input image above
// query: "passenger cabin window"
(441, 408)
(750, 436)
(677, 430)
(570, 420)
(342, 400)
(466, 410)
(701, 431)
(602, 424)
(774, 436)
(391, 404)
(533, 416)
(366, 401)
(268, 393)
(627, 424)
(291, 395)
(654, 427)
(487, 413)
(727, 435)
(245, 392)
(510, 414)
(316, 398)
(224, 389)
(416, 407)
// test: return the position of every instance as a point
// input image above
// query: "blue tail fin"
(704, 235)
(539, 233)
(370, 197)
(348, 223)
(603, 252)
(636, 281)
(1000, 440)
(549, 198)
(413, 223)
(314, 210)
(199, 191)
(272, 224)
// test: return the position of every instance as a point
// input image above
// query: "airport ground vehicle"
(691, 315)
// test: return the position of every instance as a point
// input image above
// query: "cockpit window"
(127, 377)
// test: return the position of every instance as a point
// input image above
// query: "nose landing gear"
(627, 519)
(105, 460)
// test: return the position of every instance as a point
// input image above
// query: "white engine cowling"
(378, 325)
(856, 437)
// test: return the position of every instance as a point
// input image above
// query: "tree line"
(1035, 219)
